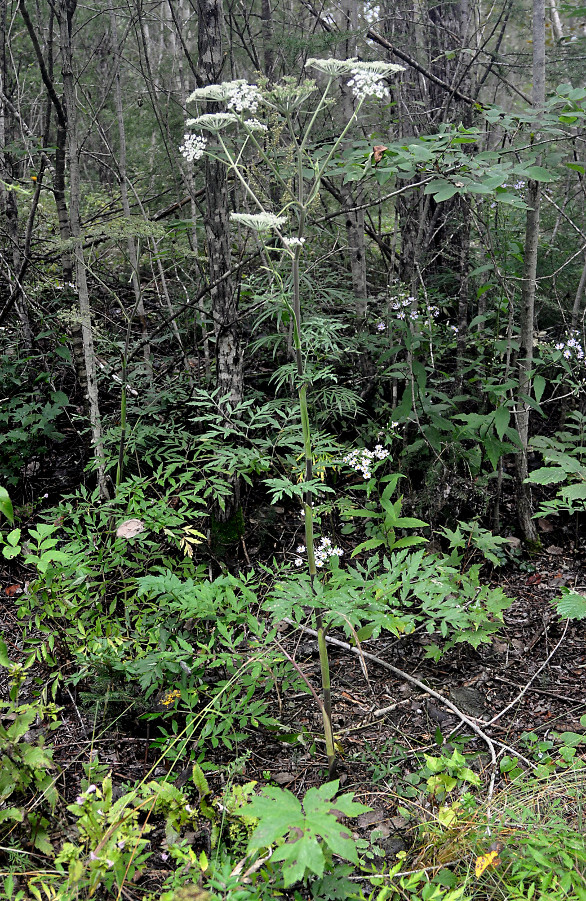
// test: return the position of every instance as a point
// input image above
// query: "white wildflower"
(212, 92)
(214, 121)
(362, 459)
(243, 96)
(324, 550)
(367, 84)
(572, 348)
(293, 242)
(380, 327)
(193, 147)
(332, 67)
(255, 125)
(259, 221)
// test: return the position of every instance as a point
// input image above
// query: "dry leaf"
(491, 859)
(129, 528)
(378, 151)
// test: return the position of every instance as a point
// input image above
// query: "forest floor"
(383, 723)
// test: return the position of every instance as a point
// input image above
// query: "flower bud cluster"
(362, 459)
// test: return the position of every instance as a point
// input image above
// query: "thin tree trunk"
(67, 12)
(229, 360)
(528, 292)
(8, 205)
(132, 251)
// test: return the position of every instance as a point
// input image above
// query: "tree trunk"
(229, 361)
(66, 13)
(132, 250)
(525, 511)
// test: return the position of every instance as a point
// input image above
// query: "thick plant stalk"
(324, 662)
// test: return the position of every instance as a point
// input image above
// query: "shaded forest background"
(292, 359)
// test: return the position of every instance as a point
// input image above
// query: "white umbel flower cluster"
(193, 147)
(362, 459)
(571, 348)
(260, 222)
(243, 96)
(255, 125)
(323, 551)
(365, 83)
(293, 242)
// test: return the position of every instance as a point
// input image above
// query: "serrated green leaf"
(571, 605)
(36, 757)
(369, 545)
(11, 813)
(576, 492)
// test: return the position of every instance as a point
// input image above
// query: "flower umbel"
(243, 96)
(193, 147)
(259, 221)
(368, 79)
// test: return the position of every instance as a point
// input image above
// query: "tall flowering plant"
(245, 104)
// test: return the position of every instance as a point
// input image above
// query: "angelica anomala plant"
(242, 100)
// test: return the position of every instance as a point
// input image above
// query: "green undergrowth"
(121, 613)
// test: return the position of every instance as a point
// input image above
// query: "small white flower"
(300, 549)
(380, 327)
(293, 242)
(298, 561)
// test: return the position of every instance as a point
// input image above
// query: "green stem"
(120, 467)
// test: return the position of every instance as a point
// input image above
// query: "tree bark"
(525, 365)
(66, 13)
(229, 360)
(121, 163)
